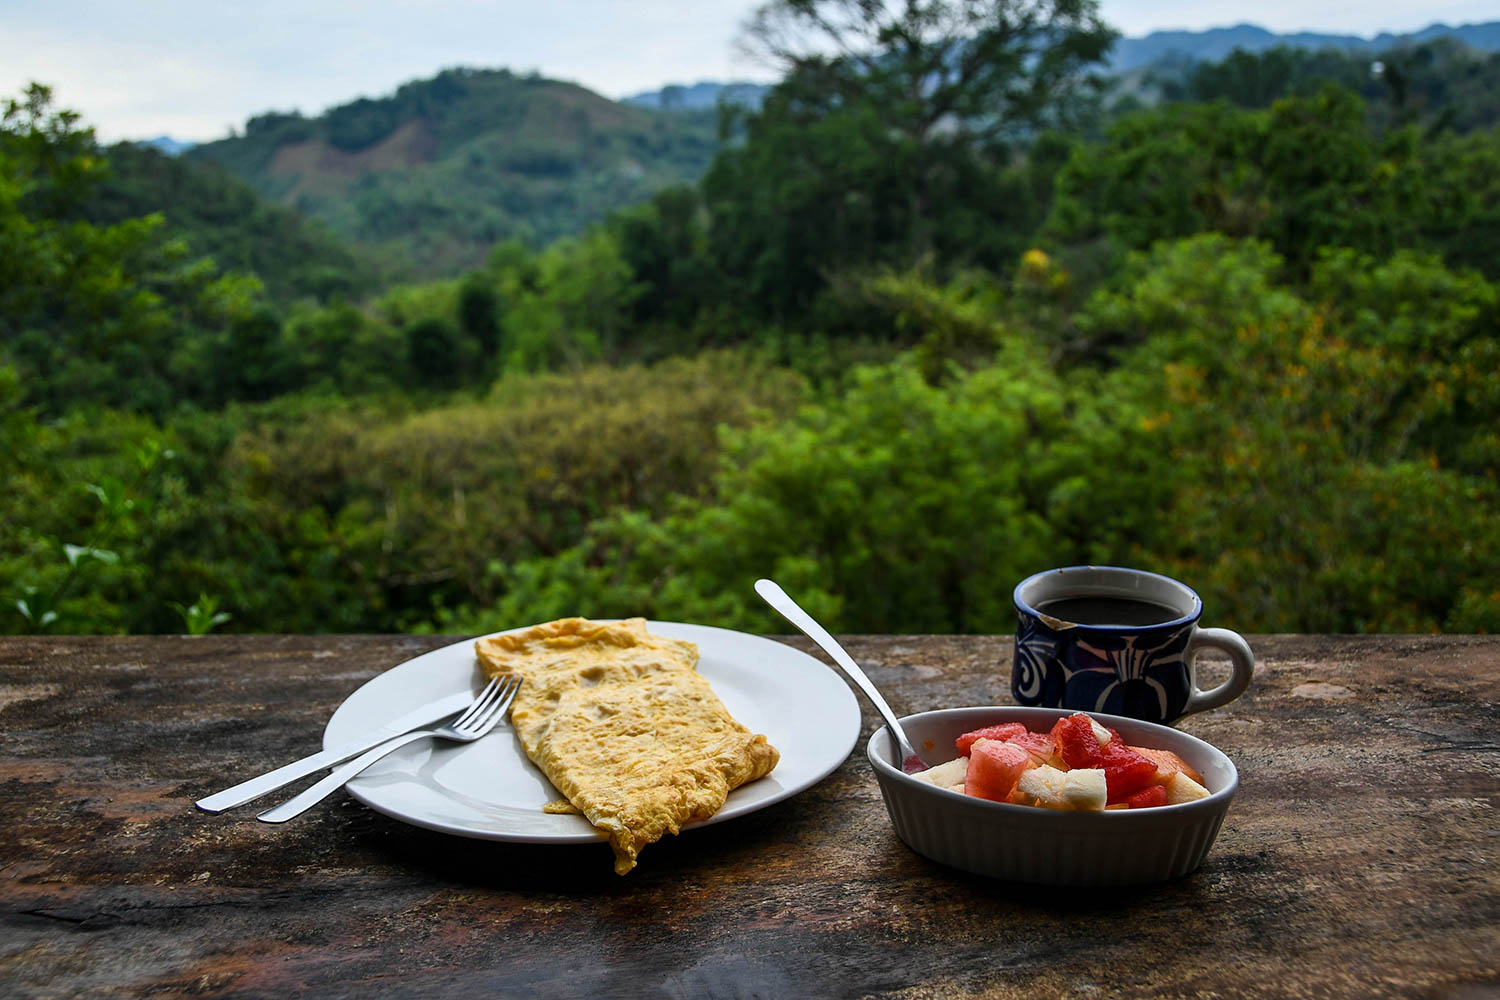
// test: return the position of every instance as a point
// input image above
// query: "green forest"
(949, 307)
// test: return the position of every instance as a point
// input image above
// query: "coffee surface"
(1107, 611)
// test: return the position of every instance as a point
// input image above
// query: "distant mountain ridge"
(699, 96)
(1216, 43)
(167, 145)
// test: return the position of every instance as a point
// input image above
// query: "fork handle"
(313, 794)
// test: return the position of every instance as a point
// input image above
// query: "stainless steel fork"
(488, 708)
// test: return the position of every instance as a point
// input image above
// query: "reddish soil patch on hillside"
(317, 165)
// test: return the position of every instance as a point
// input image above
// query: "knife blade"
(288, 773)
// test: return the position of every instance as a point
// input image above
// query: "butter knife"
(288, 773)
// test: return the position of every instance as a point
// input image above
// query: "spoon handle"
(777, 598)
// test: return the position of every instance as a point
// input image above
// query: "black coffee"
(1107, 611)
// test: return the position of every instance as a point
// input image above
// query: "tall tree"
(888, 137)
(93, 312)
(979, 73)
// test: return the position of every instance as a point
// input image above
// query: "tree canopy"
(916, 334)
(890, 134)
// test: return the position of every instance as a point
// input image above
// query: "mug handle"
(1242, 660)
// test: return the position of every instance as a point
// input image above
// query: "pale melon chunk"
(1045, 785)
(1184, 789)
(1085, 788)
(946, 775)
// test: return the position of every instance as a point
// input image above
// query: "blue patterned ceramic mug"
(1121, 641)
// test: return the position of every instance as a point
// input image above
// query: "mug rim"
(1189, 618)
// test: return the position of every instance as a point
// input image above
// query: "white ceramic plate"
(490, 790)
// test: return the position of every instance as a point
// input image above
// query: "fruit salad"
(1078, 765)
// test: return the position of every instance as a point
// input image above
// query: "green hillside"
(221, 216)
(431, 177)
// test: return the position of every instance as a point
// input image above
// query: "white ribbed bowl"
(1047, 846)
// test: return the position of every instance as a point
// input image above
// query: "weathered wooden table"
(1359, 859)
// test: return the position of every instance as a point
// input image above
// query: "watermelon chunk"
(1039, 745)
(1076, 743)
(994, 769)
(1151, 795)
(1002, 732)
(1125, 771)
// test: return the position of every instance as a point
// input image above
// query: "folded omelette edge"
(623, 725)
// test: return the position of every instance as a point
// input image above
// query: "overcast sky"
(193, 69)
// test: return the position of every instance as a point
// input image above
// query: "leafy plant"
(202, 616)
(43, 606)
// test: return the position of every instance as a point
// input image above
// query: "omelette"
(623, 725)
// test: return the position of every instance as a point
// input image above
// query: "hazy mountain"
(1216, 43)
(166, 144)
(700, 96)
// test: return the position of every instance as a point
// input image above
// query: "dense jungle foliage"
(942, 312)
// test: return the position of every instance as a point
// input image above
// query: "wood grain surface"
(1359, 858)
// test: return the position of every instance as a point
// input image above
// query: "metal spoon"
(906, 757)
